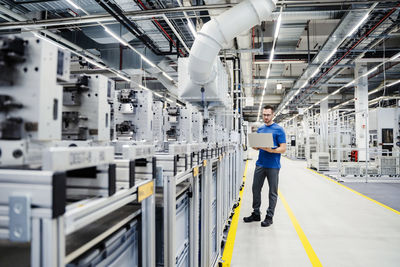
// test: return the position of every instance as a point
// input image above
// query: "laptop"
(261, 140)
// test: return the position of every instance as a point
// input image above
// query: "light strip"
(278, 26)
(189, 22)
(124, 78)
(369, 72)
(331, 55)
(191, 27)
(395, 57)
(50, 41)
(336, 92)
(145, 59)
(119, 39)
(91, 61)
(167, 76)
(271, 57)
(169, 100)
(73, 4)
(393, 83)
(358, 25)
(374, 91)
(350, 83)
(315, 73)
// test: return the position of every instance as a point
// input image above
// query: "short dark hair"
(269, 107)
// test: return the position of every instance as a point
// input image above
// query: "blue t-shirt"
(271, 160)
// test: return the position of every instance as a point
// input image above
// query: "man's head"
(268, 115)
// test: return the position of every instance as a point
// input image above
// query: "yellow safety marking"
(306, 244)
(195, 171)
(358, 193)
(146, 190)
(204, 162)
(230, 241)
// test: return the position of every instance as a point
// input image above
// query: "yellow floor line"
(306, 244)
(230, 242)
(358, 193)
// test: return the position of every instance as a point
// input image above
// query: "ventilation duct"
(201, 69)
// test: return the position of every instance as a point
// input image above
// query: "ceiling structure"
(314, 55)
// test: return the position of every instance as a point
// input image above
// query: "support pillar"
(361, 109)
(323, 106)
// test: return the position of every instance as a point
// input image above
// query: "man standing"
(267, 165)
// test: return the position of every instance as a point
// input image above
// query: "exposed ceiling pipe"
(219, 31)
(149, 14)
(158, 25)
(299, 3)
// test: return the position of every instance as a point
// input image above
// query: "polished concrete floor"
(343, 228)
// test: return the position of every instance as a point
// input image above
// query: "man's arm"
(279, 150)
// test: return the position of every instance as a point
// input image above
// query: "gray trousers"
(259, 177)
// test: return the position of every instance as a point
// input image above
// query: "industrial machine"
(58, 175)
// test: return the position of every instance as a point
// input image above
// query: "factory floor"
(317, 222)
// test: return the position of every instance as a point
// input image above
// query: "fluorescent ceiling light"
(143, 87)
(157, 94)
(331, 54)
(169, 100)
(315, 72)
(123, 77)
(325, 98)
(337, 91)
(115, 36)
(268, 72)
(358, 25)
(271, 55)
(265, 83)
(369, 72)
(145, 59)
(395, 56)
(167, 76)
(50, 41)
(393, 83)
(73, 4)
(304, 84)
(374, 91)
(278, 26)
(191, 27)
(91, 61)
(349, 84)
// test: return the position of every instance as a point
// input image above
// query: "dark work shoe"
(252, 218)
(267, 222)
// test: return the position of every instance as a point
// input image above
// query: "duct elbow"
(221, 30)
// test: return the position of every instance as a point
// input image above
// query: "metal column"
(361, 109)
(323, 146)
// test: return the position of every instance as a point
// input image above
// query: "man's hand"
(255, 148)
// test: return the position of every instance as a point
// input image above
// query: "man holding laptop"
(270, 140)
